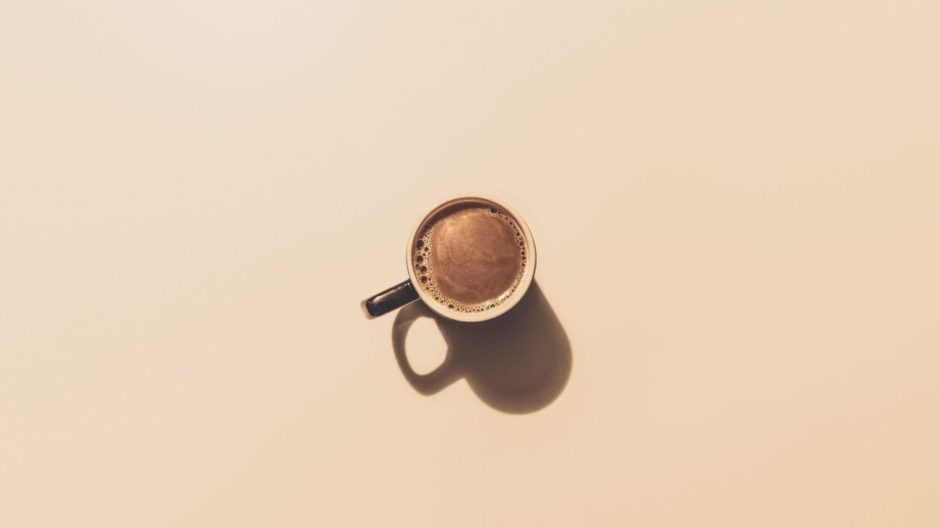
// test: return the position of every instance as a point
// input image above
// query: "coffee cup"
(469, 259)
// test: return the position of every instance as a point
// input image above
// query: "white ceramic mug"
(413, 289)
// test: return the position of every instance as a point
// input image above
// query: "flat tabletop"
(734, 322)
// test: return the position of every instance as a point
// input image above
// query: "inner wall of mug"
(525, 281)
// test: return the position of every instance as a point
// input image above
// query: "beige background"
(736, 206)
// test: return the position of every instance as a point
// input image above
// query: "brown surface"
(736, 209)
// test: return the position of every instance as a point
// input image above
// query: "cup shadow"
(517, 363)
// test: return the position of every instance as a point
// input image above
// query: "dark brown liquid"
(470, 255)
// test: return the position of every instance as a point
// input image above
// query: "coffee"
(469, 255)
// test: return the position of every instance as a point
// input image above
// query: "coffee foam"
(423, 254)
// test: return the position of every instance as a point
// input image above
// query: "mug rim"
(528, 274)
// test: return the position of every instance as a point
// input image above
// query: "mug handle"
(390, 299)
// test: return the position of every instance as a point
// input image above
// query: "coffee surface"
(470, 256)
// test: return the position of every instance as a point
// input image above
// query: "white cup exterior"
(528, 274)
